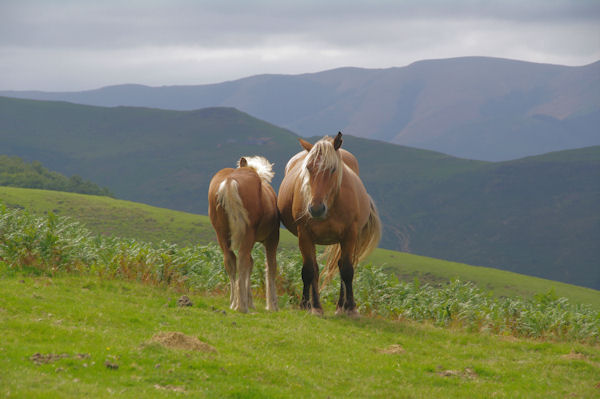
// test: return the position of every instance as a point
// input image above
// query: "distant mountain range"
(538, 215)
(472, 107)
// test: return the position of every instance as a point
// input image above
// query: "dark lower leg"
(307, 278)
(347, 274)
(316, 303)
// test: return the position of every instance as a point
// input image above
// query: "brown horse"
(243, 210)
(323, 201)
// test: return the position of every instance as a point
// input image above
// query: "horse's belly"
(324, 233)
(327, 241)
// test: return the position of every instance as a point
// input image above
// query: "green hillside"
(104, 215)
(14, 172)
(538, 215)
(164, 158)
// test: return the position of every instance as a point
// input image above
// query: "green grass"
(290, 353)
(108, 216)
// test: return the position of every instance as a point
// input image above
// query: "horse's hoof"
(353, 313)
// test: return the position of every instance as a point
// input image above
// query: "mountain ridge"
(472, 107)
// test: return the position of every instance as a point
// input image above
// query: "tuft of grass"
(54, 245)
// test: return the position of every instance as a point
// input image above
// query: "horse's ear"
(337, 142)
(306, 145)
(242, 162)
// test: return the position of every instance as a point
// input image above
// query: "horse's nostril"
(317, 211)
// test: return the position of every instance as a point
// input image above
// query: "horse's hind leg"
(271, 269)
(245, 264)
(229, 261)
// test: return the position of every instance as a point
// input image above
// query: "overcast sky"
(76, 45)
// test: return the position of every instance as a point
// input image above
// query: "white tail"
(229, 199)
(263, 168)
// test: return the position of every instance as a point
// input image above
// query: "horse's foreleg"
(271, 269)
(346, 301)
(310, 274)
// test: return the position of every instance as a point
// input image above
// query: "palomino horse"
(243, 210)
(323, 201)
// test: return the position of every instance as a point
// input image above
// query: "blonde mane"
(326, 159)
(262, 166)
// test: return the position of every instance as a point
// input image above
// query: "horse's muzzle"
(317, 211)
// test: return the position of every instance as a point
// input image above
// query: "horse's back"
(350, 160)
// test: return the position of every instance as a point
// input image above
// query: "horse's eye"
(333, 170)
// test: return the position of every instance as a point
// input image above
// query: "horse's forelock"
(324, 158)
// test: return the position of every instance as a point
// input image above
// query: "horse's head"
(321, 174)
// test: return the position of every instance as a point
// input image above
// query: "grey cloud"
(216, 23)
(75, 44)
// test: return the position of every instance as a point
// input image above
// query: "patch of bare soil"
(177, 340)
(184, 301)
(392, 350)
